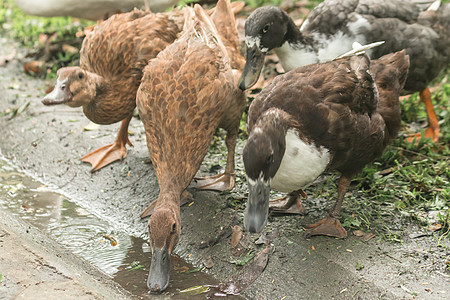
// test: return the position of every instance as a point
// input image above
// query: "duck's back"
(120, 47)
(419, 27)
(335, 105)
(183, 97)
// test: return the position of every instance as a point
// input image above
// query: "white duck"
(88, 9)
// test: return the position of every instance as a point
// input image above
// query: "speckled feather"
(118, 49)
(186, 93)
(401, 24)
(336, 105)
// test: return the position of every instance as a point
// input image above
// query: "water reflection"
(92, 238)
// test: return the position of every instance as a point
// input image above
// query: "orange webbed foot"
(105, 155)
(430, 132)
(221, 182)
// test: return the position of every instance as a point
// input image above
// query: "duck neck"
(297, 50)
(109, 106)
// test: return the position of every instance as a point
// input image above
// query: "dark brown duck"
(338, 115)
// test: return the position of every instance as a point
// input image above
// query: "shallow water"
(125, 258)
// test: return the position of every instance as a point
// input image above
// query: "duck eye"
(80, 75)
(265, 28)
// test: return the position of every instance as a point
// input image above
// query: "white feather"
(302, 163)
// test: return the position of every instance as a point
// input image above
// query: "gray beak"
(158, 278)
(60, 94)
(252, 69)
(257, 210)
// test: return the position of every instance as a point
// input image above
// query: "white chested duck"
(331, 28)
(187, 92)
(327, 116)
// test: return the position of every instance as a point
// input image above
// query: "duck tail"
(390, 72)
(211, 28)
(434, 6)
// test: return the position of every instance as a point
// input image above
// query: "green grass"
(408, 180)
(27, 30)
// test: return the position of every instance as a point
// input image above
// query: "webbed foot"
(329, 226)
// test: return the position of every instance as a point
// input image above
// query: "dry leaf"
(91, 126)
(69, 49)
(248, 275)
(236, 236)
(33, 67)
(368, 236)
(111, 240)
(358, 233)
(433, 228)
(208, 262)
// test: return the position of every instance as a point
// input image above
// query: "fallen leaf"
(268, 237)
(111, 240)
(433, 228)
(69, 49)
(358, 233)
(368, 236)
(91, 126)
(248, 275)
(208, 262)
(236, 236)
(182, 269)
(23, 107)
(26, 207)
(196, 290)
(33, 67)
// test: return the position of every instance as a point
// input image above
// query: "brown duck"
(112, 58)
(187, 92)
(327, 116)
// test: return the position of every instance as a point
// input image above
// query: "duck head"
(262, 157)
(74, 87)
(265, 29)
(164, 230)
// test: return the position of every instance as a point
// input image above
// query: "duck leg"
(290, 204)
(225, 181)
(331, 226)
(185, 198)
(432, 130)
(112, 152)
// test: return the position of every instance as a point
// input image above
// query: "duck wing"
(184, 93)
(121, 46)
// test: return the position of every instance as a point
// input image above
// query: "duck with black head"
(187, 92)
(420, 27)
(317, 118)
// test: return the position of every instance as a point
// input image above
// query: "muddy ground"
(47, 143)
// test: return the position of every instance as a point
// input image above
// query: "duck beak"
(253, 67)
(158, 278)
(60, 94)
(257, 210)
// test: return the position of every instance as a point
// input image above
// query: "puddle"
(92, 238)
